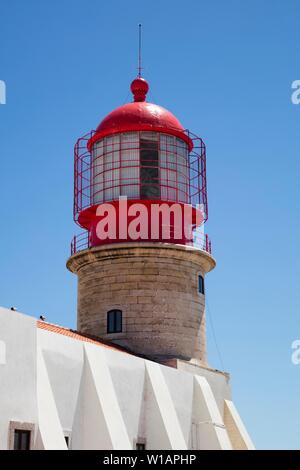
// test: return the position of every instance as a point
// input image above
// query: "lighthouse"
(134, 375)
(142, 289)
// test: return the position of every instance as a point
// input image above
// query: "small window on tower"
(200, 284)
(114, 321)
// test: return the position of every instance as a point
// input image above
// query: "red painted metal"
(96, 182)
(139, 88)
(80, 242)
(87, 218)
(154, 226)
(140, 116)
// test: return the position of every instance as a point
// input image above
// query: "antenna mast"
(140, 52)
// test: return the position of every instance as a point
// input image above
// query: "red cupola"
(142, 152)
(140, 115)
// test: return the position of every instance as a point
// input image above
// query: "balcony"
(200, 241)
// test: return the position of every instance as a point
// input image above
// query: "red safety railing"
(200, 241)
(102, 181)
(80, 242)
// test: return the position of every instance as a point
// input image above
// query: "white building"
(58, 385)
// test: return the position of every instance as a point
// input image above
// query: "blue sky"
(225, 69)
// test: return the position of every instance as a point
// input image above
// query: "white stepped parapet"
(237, 432)
(107, 398)
(212, 433)
(50, 429)
(166, 408)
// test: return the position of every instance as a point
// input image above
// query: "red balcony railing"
(81, 242)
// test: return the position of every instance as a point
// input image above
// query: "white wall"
(18, 335)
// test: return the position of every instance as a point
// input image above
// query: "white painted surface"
(18, 401)
(212, 433)
(50, 428)
(165, 407)
(218, 381)
(2, 352)
(237, 432)
(180, 386)
(107, 399)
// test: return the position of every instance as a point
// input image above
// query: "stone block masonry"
(156, 287)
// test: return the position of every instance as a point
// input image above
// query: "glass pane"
(182, 148)
(110, 322)
(140, 446)
(130, 182)
(130, 158)
(149, 136)
(163, 142)
(98, 149)
(17, 441)
(149, 149)
(25, 435)
(129, 175)
(114, 321)
(201, 284)
(112, 143)
(171, 160)
(149, 175)
(118, 321)
(149, 154)
(97, 172)
(130, 140)
(112, 186)
(163, 159)
(150, 189)
(21, 440)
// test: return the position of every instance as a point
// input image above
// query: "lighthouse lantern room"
(139, 151)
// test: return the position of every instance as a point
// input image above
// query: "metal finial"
(140, 52)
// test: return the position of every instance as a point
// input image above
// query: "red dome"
(140, 116)
(137, 116)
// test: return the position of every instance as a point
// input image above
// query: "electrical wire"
(214, 335)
